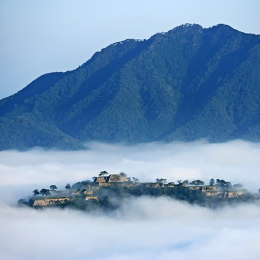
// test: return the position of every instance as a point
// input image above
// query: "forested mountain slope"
(186, 84)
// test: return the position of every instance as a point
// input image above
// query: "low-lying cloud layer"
(236, 161)
(142, 228)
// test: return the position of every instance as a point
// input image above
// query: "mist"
(236, 161)
(142, 228)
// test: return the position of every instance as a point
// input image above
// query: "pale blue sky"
(40, 36)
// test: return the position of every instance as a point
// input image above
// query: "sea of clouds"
(143, 228)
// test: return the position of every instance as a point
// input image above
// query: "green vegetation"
(186, 84)
(67, 186)
(111, 192)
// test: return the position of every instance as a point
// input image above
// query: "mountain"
(186, 84)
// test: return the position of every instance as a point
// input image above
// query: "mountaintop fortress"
(110, 191)
(186, 84)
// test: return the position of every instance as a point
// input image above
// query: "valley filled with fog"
(143, 228)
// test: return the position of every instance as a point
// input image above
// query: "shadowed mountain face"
(186, 84)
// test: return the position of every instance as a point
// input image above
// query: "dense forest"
(186, 84)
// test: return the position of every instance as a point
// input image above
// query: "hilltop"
(186, 84)
(109, 192)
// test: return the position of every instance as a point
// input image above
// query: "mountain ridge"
(186, 84)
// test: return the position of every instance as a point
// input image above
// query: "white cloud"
(236, 161)
(143, 228)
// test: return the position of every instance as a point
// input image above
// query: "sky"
(43, 36)
(142, 228)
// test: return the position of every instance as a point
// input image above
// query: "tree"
(223, 183)
(197, 182)
(183, 183)
(238, 186)
(135, 179)
(186, 182)
(211, 182)
(36, 192)
(45, 192)
(162, 181)
(67, 187)
(228, 184)
(102, 173)
(53, 187)
(123, 174)
(82, 191)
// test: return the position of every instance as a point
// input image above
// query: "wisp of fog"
(142, 228)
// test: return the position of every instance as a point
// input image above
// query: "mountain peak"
(189, 26)
(186, 84)
(226, 28)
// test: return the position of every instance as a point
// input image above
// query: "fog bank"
(143, 228)
(236, 161)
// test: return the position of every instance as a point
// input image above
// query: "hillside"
(186, 84)
(109, 192)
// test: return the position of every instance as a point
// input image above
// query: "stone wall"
(91, 198)
(117, 178)
(49, 202)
